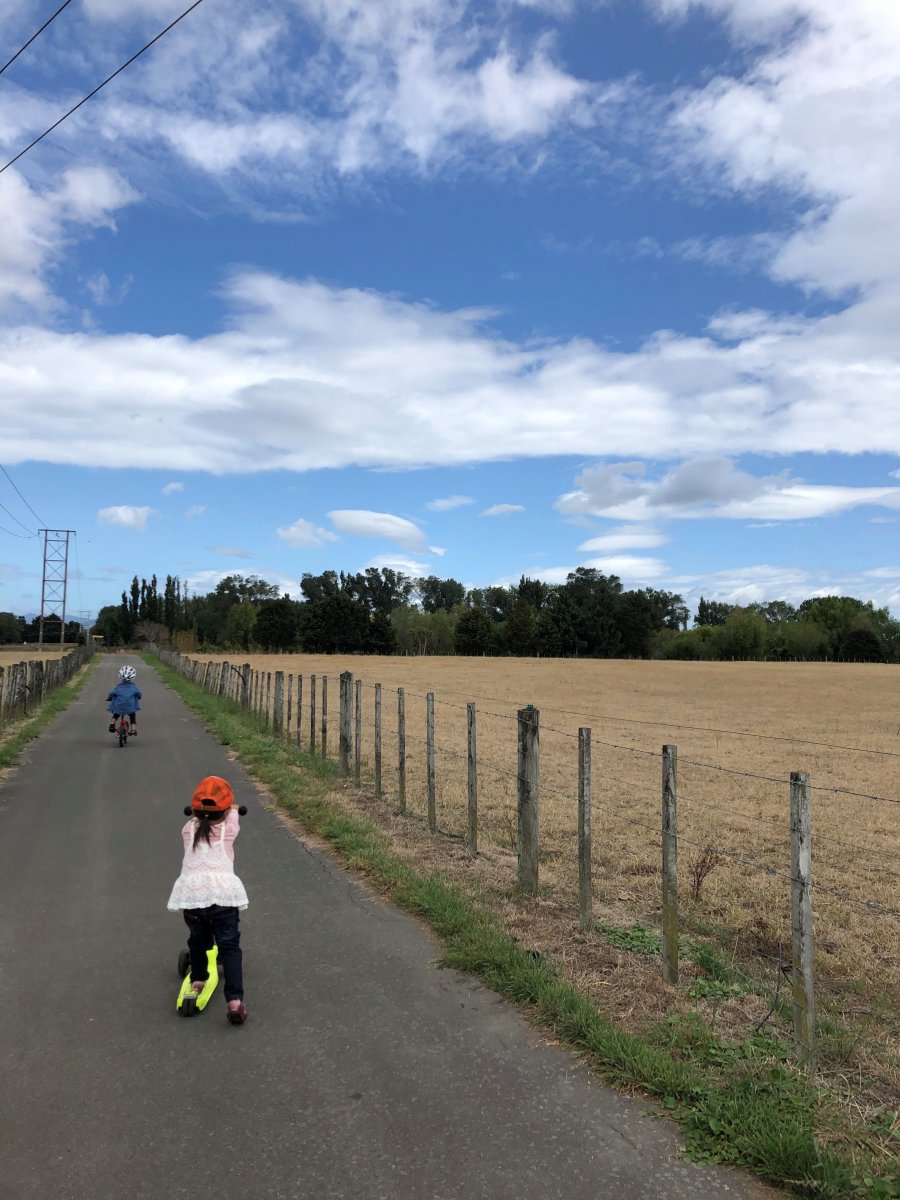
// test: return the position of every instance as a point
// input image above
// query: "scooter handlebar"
(242, 810)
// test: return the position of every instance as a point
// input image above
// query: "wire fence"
(619, 830)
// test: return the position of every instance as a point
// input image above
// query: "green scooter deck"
(212, 981)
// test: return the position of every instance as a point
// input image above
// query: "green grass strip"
(761, 1116)
(54, 702)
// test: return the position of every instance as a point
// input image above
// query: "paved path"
(364, 1071)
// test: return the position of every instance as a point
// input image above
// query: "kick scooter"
(190, 1002)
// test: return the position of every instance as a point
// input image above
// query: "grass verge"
(743, 1105)
(14, 739)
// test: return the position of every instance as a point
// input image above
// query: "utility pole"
(87, 623)
(55, 579)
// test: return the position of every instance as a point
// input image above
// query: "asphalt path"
(364, 1071)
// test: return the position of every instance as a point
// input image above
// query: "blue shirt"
(124, 698)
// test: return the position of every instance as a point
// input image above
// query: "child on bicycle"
(208, 892)
(124, 699)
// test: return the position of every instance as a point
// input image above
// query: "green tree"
(380, 636)
(238, 631)
(861, 644)
(836, 614)
(337, 624)
(519, 634)
(712, 612)
(277, 624)
(638, 618)
(474, 632)
(742, 636)
(439, 595)
(12, 627)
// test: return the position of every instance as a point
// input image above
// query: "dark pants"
(217, 924)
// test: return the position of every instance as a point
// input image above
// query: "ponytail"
(202, 828)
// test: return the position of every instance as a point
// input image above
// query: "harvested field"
(740, 729)
(14, 654)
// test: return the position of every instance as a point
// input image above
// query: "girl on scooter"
(208, 892)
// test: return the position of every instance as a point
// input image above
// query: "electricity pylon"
(55, 579)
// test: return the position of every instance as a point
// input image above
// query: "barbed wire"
(673, 725)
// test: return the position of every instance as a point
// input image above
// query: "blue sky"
(466, 289)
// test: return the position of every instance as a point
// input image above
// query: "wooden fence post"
(245, 686)
(278, 711)
(670, 864)
(312, 714)
(585, 864)
(529, 796)
(377, 741)
(802, 921)
(324, 738)
(357, 729)
(346, 707)
(401, 748)
(266, 717)
(429, 761)
(471, 780)
(290, 706)
(299, 707)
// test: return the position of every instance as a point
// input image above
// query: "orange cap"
(212, 794)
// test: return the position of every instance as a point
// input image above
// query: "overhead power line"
(99, 86)
(34, 35)
(19, 494)
(12, 533)
(21, 524)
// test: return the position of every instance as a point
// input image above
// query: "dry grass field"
(740, 729)
(15, 654)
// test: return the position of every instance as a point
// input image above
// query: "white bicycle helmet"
(127, 673)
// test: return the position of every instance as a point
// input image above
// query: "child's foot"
(133, 731)
(237, 1012)
(197, 985)
(112, 727)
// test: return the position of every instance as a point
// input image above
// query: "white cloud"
(230, 551)
(632, 569)
(448, 502)
(38, 224)
(126, 515)
(196, 510)
(711, 488)
(503, 510)
(626, 537)
(103, 292)
(363, 523)
(288, 97)
(309, 376)
(171, 488)
(305, 533)
(409, 566)
(808, 116)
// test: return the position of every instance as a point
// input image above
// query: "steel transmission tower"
(55, 579)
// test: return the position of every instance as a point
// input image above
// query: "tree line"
(15, 630)
(383, 611)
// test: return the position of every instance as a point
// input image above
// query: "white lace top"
(207, 871)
